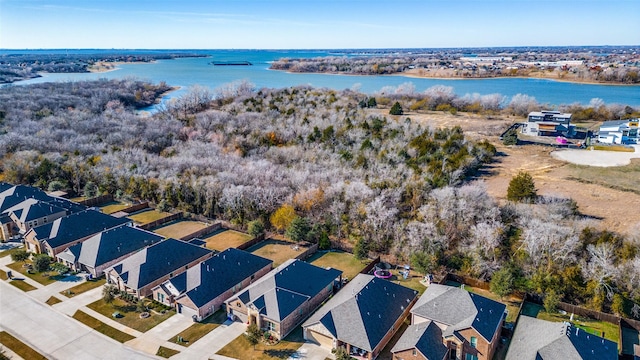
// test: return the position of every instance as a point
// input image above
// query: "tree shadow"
(279, 354)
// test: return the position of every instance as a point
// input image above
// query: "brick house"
(285, 297)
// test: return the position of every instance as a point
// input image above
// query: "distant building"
(535, 339)
(619, 132)
(548, 123)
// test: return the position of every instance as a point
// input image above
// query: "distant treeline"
(15, 67)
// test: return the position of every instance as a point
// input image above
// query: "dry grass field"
(277, 250)
(225, 239)
(179, 229)
(608, 195)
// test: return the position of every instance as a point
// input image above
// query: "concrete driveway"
(598, 158)
(54, 334)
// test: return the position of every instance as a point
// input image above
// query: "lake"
(186, 72)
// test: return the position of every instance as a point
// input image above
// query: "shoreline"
(109, 66)
(414, 76)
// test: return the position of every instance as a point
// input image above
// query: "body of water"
(186, 72)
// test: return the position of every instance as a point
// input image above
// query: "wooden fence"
(477, 283)
(137, 207)
(251, 242)
(307, 253)
(95, 201)
(164, 220)
(206, 230)
(370, 266)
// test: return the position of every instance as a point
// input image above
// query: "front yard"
(196, 331)
(44, 278)
(84, 287)
(180, 228)
(340, 260)
(224, 239)
(101, 327)
(240, 348)
(18, 347)
(128, 315)
(277, 250)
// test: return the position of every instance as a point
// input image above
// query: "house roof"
(459, 309)
(157, 261)
(112, 244)
(14, 195)
(32, 209)
(614, 123)
(4, 186)
(277, 294)
(364, 311)
(76, 226)
(216, 275)
(426, 337)
(536, 339)
(70, 254)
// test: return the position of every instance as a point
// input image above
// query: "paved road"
(597, 157)
(54, 334)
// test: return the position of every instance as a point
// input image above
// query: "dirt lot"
(552, 176)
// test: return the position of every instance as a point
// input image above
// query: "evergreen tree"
(502, 282)
(522, 188)
(299, 229)
(256, 228)
(396, 109)
(361, 250)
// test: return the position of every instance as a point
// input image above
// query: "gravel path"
(596, 157)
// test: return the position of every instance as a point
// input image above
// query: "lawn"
(3, 275)
(512, 302)
(147, 216)
(44, 278)
(196, 331)
(277, 250)
(129, 316)
(340, 260)
(101, 327)
(589, 325)
(166, 352)
(83, 287)
(18, 347)
(10, 251)
(180, 228)
(624, 178)
(412, 282)
(224, 239)
(240, 348)
(53, 300)
(24, 286)
(113, 207)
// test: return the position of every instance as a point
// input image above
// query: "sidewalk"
(160, 335)
(206, 347)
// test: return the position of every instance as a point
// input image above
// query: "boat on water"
(230, 63)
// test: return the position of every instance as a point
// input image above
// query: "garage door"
(187, 311)
(323, 340)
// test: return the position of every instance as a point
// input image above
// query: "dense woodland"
(382, 184)
(15, 67)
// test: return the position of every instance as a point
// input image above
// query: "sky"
(318, 24)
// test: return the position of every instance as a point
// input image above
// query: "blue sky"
(303, 24)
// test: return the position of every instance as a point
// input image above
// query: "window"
(474, 341)
(160, 297)
(253, 277)
(414, 352)
(270, 326)
(471, 357)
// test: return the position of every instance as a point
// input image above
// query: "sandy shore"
(106, 66)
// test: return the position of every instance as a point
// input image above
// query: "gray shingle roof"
(112, 244)
(157, 261)
(16, 194)
(364, 311)
(76, 226)
(32, 209)
(460, 309)
(426, 337)
(277, 294)
(536, 339)
(217, 274)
